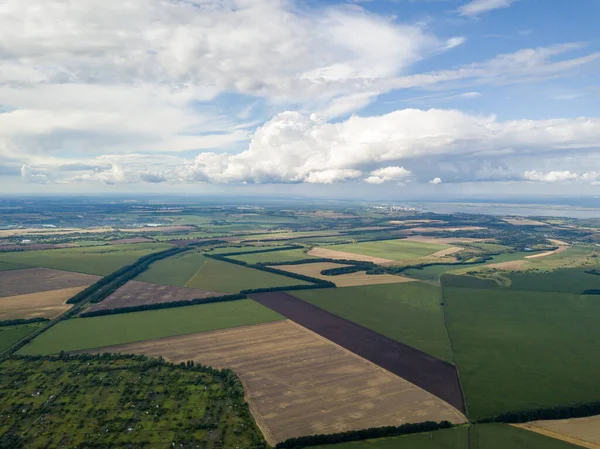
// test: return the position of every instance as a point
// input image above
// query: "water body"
(524, 210)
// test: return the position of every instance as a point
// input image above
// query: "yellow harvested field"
(584, 432)
(446, 252)
(443, 240)
(159, 229)
(562, 247)
(412, 222)
(49, 304)
(448, 229)
(342, 255)
(512, 265)
(343, 280)
(524, 222)
(298, 383)
(47, 231)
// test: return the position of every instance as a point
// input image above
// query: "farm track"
(429, 373)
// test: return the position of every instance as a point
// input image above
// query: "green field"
(289, 255)
(430, 273)
(501, 436)
(220, 276)
(399, 250)
(87, 333)
(520, 350)
(9, 335)
(455, 438)
(119, 403)
(241, 249)
(4, 266)
(563, 280)
(409, 313)
(101, 260)
(176, 270)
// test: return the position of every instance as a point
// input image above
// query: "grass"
(289, 255)
(226, 277)
(101, 260)
(5, 266)
(502, 436)
(573, 257)
(563, 280)
(409, 313)
(241, 249)
(430, 273)
(455, 438)
(9, 335)
(176, 270)
(118, 403)
(399, 250)
(87, 333)
(520, 350)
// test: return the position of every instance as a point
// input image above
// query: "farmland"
(176, 270)
(9, 335)
(409, 313)
(100, 260)
(518, 350)
(119, 402)
(584, 432)
(33, 280)
(289, 255)
(226, 277)
(49, 304)
(501, 436)
(342, 280)
(85, 333)
(386, 250)
(433, 375)
(333, 390)
(136, 293)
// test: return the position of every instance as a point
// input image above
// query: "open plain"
(583, 432)
(48, 304)
(299, 384)
(33, 280)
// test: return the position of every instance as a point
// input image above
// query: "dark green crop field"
(86, 333)
(9, 335)
(101, 260)
(289, 255)
(120, 403)
(502, 436)
(563, 280)
(176, 270)
(520, 350)
(410, 312)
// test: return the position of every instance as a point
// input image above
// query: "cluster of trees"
(266, 250)
(357, 435)
(562, 412)
(592, 292)
(163, 305)
(18, 321)
(593, 271)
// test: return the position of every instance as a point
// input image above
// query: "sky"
(393, 99)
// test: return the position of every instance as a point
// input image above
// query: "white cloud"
(385, 174)
(477, 7)
(561, 176)
(435, 181)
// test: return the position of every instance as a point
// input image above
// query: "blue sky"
(390, 99)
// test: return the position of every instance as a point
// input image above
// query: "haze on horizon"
(382, 98)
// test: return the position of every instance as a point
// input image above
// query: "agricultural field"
(502, 436)
(9, 335)
(290, 255)
(429, 373)
(384, 251)
(136, 293)
(48, 304)
(342, 280)
(563, 280)
(175, 270)
(97, 260)
(583, 432)
(6, 266)
(226, 277)
(86, 333)
(224, 250)
(34, 280)
(409, 313)
(519, 350)
(455, 438)
(119, 402)
(300, 384)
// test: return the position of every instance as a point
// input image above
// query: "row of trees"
(562, 412)
(18, 321)
(264, 250)
(357, 435)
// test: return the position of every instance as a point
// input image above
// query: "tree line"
(552, 413)
(18, 321)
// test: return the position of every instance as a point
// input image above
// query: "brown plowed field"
(298, 383)
(33, 280)
(436, 376)
(342, 280)
(584, 432)
(136, 293)
(48, 304)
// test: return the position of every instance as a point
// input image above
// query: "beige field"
(443, 240)
(512, 265)
(584, 432)
(159, 229)
(50, 231)
(562, 247)
(524, 222)
(343, 280)
(342, 255)
(298, 383)
(445, 252)
(49, 304)
(412, 222)
(448, 229)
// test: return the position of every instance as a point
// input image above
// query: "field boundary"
(429, 373)
(557, 436)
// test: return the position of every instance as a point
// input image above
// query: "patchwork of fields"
(86, 333)
(33, 280)
(48, 304)
(289, 255)
(583, 432)
(301, 384)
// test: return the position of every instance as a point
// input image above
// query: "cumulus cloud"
(561, 176)
(477, 7)
(385, 174)
(435, 181)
